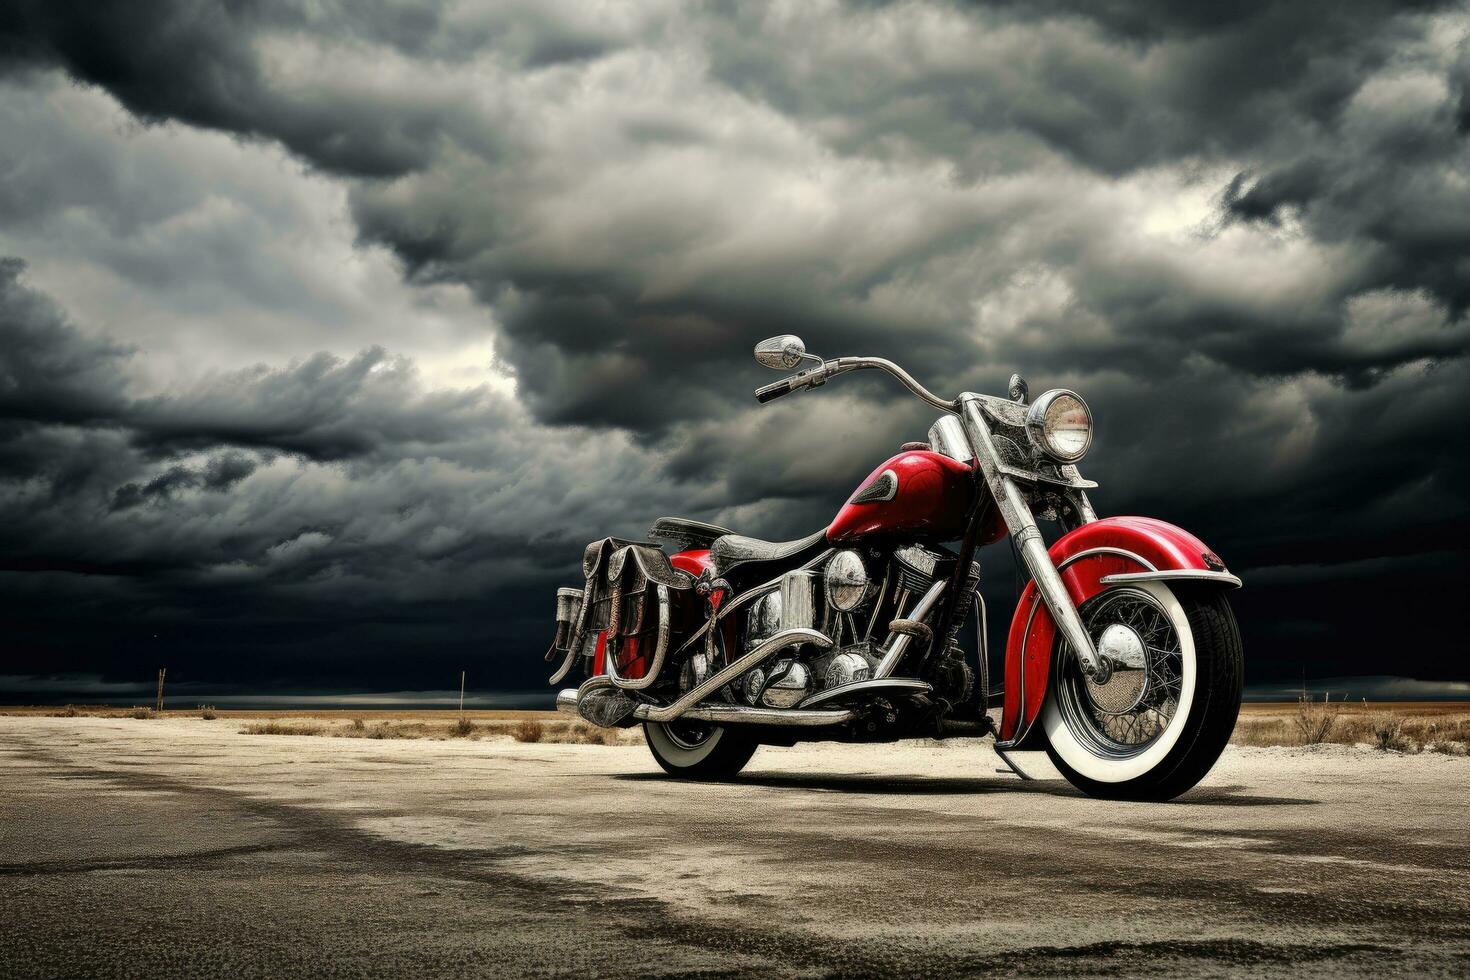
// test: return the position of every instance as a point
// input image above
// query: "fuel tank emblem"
(883, 488)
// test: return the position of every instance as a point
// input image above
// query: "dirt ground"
(1415, 726)
(180, 847)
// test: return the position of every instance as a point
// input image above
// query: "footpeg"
(912, 628)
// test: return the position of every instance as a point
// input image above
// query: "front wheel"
(697, 750)
(1154, 727)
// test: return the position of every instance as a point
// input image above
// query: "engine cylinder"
(791, 685)
(796, 604)
(918, 567)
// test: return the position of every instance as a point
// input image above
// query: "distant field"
(1402, 726)
(386, 714)
(437, 723)
(1408, 709)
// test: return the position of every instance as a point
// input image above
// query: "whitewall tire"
(694, 750)
(1155, 737)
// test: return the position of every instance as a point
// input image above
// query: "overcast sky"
(328, 338)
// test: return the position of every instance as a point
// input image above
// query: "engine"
(799, 601)
(852, 599)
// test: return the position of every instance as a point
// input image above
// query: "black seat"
(736, 551)
(685, 534)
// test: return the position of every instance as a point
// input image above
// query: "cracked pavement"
(179, 847)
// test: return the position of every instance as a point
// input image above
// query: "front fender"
(1105, 552)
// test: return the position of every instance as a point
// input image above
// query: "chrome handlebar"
(816, 376)
(806, 379)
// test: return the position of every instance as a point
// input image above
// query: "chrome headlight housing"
(1060, 425)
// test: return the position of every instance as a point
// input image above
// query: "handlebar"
(842, 365)
(771, 392)
(806, 379)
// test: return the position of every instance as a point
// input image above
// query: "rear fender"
(1110, 551)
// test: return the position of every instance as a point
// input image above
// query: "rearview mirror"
(781, 353)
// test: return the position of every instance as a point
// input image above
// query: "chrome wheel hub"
(688, 734)
(1123, 681)
(1122, 708)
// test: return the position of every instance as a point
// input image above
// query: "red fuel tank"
(917, 494)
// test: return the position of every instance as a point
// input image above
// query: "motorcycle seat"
(685, 534)
(737, 551)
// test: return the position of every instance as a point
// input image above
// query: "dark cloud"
(219, 474)
(1240, 229)
(331, 517)
(48, 370)
(195, 61)
(1113, 86)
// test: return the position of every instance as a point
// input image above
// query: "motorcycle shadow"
(866, 783)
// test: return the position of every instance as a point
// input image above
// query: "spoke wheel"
(1155, 718)
(1138, 700)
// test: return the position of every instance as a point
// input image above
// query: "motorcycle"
(1123, 660)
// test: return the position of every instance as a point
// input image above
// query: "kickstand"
(1010, 764)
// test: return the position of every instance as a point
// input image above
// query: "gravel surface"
(180, 847)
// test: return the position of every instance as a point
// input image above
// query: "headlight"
(1060, 425)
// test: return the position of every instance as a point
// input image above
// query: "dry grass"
(528, 731)
(428, 715)
(274, 727)
(142, 713)
(1261, 732)
(1435, 726)
(1316, 720)
(553, 729)
(585, 734)
(207, 712)
(1388, 732)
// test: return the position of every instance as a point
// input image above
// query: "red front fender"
(1111, 546)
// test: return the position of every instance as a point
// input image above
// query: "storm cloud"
(330, 335)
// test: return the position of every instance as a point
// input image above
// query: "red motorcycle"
(1123, 660)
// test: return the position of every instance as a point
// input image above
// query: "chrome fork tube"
(1081, 506)
(1022, 524)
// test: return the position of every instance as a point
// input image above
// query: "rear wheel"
(1156, 723)
(697, 750)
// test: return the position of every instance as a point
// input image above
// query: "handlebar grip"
(773, 391)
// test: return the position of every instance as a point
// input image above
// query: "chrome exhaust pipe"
(568, 699)
(727, 714)
(734, 714)
(717, 680)
(875, 687)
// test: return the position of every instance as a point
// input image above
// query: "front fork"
(1016, 512)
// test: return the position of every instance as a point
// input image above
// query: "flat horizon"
(223, 706)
